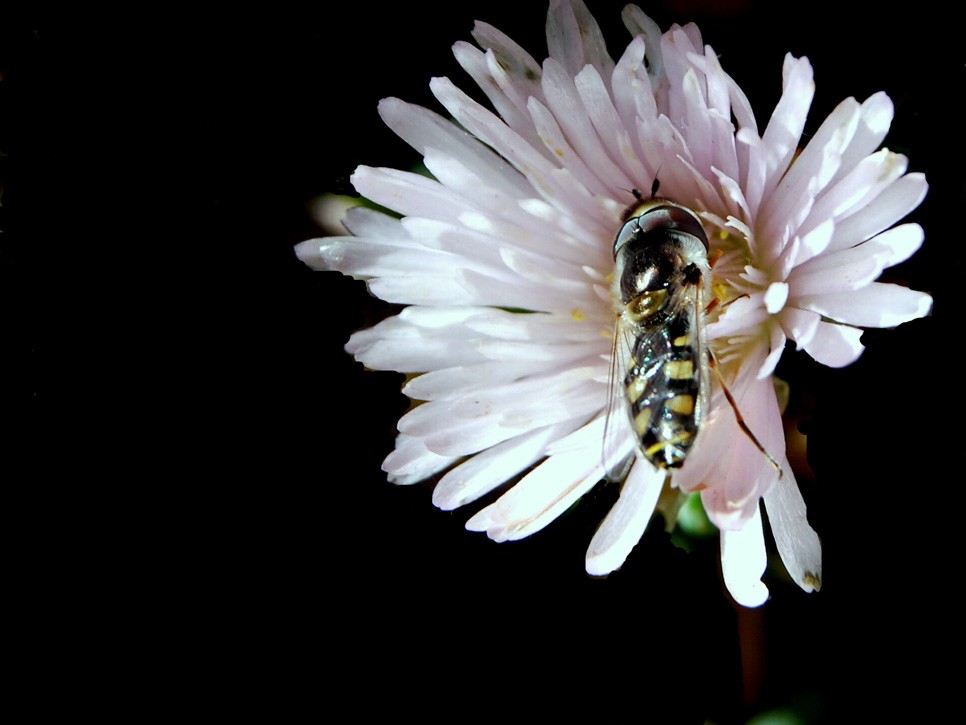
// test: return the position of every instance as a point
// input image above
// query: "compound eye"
(673, 217)
(628, 232)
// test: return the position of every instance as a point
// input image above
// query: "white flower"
(520, 215)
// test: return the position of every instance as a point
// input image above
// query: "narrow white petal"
(843, 271)
(775, 297)
(742, 317)
(777, 347)
(807, 246)
(788, 120)
(822, 156)
(633, 97)
(568, 109)
(423, 290)
(496, 221)
(485, 289)
(833, 344)
(732, 194)
(793, 200)
(755, 168)
(856, 266)
(895, 202)
(411, 462)
(897, 244)
(471, 422)
(542, 328)
(610, 130)
(725, 101)
(861, 184)
(418, 339)
(422, 129)
(697, 117)
(743, 561)
(487, 470)
(557, 142)
(492, 130)
(625, 523)
(417, 353)
(649, 33)
(519, 62)
(587, 436)
(878, 305)
(408, 193)
(540, 497)
(797, 542)
(541, 269)
(363, 222)
(452, 433)
(462, 379)
(501, 90)
(799, 325)
(676, 47)
(875, 118)
(364, 259)
(574, 37)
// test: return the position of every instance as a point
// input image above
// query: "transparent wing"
(694, 306)
(619, 441)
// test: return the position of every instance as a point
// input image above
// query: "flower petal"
(423, 130)
(797, 542)
(568, 109)
(878, 305)
(788, 119)
(469, 424)
(896, 201)
(834, 344)
(574, 37)
(540, 496)
(625, 523)
(411, 462)
(485, 471)
(746, 473)
(743, 561)
(507, 93)
(610, 130)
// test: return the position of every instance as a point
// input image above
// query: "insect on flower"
(522, 214)
(661, 365)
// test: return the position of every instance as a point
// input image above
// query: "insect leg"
(740, 419)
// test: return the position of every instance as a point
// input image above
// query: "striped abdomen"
(663, 388)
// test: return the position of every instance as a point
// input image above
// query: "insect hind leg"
(739, 418)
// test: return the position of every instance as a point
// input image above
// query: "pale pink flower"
(520, 216)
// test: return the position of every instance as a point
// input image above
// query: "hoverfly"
(661, 366)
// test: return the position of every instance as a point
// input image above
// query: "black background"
(195, 501)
